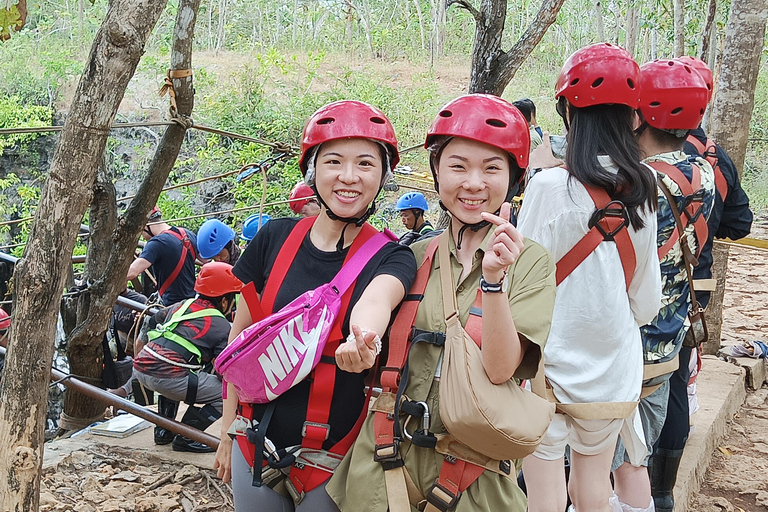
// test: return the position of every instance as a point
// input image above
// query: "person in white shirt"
(593, 357)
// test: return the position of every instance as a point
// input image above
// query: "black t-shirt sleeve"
(398, 261)
(736, 219)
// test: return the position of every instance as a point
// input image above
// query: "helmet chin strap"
(357, 221)
(477, 226)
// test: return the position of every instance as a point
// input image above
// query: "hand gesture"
(542, 157)
(504, 247)
(357, 356)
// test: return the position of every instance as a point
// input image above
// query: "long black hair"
(608, 130)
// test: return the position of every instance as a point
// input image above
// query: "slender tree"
(731, 114)
(493, 68)
(679, 24)
(113, 240)
(41, 272)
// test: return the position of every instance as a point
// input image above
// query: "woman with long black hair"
(593, 356)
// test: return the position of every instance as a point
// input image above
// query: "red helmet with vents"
(673, 95)
(706, 73)
(484, 118)
(348, 119)
(600, 74)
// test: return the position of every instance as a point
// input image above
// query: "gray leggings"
(257, 499)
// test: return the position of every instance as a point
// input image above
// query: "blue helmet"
(212, 237)
(251, 225)
(411, 200)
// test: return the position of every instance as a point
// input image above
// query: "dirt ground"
(737, 479)
(113, 479)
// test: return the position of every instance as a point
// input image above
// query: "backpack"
(277, 352)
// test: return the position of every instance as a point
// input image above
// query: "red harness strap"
(709, 153)
(186, 246)
(692, 207)
(611, 225)
(455, 475)
(316, 428)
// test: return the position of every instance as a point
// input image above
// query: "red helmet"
(700, 66)
(216, 279)
(154, 214)
(484, 118)
(5, 320)
(673, 95)
(300, 196)
(347, 119)
(600, 74)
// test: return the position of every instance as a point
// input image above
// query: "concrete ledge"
(721, 392)
(757, 369)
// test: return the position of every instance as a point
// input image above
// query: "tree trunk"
(714, 313)
(113, 241)
(220, 32)
(732, 112)
(492, 68)
(350, 18)
(739, 66)
(633, 20)
(41, 272)
(599, 26)
(437, 42)
(421, 24)
(706, 33)
(679, 18)
(654, 44)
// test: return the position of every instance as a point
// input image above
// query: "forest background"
(263, 66)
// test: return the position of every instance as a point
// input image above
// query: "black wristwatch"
(500, 287)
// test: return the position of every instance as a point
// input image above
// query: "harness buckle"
(696, 197)
(611, 211)
(386, 452)
(310, 427)
(442, 498)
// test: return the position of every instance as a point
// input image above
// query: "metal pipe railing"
(126, 405)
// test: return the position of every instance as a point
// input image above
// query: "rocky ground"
(112, 479)
(737, 479)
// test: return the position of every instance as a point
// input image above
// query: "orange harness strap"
(709, 153)
(609, 223)
(693, 205)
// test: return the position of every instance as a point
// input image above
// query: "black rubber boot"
(200, 419)
(663, 469)
(167, 408)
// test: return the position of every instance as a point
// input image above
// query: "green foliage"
(15, 114)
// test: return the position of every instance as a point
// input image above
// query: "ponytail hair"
(608, 130)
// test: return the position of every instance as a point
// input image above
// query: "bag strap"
(608, 223)
(687, 256)
(693, 202)
(709, 153)
(186, 247)
(474, 324)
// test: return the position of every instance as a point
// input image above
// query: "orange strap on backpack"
(608, 223)
(455, 474)
(186, 246)
(693, 205)
(316, 428)
(709, 153)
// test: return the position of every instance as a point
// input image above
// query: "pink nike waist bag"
(276, 353)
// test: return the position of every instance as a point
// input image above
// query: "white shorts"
(586, 437)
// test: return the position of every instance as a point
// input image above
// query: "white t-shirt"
(594, 352)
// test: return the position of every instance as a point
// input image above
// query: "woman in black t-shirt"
(348, 151)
